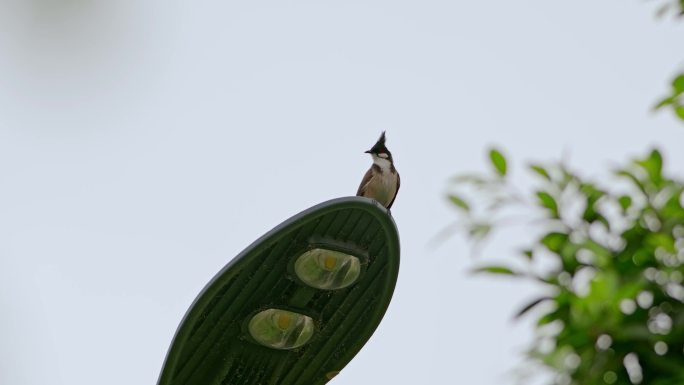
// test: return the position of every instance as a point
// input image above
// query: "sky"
(143, 144)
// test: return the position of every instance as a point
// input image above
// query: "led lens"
(281, 329)
(327, 269)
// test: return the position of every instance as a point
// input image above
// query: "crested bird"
(381, 181)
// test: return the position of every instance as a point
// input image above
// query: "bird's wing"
(364, 182)
(389, 206)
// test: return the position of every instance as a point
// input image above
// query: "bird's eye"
(383, 155)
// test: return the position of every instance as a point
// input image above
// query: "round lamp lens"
(281, 329)
(327, 269)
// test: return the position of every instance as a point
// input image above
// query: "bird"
(381, 181)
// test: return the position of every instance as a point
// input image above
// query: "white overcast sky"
(143, 144)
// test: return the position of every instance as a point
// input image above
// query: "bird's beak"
(367, 152)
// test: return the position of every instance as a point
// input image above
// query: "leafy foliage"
(612, 311)
(675, 98)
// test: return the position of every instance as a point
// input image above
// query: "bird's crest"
(379, 145)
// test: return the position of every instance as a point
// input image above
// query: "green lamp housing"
(295, 306)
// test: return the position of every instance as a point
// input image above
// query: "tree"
(612, 311)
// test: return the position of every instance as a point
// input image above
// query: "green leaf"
(554, 241)
(479, 231)
(625, 201)
(548, 318)
(498, 160)
(495, 270)
(678, 84)
(547, 201)
(593, 194)
(653, 165)
(459, 202)
(642, 256)
(673, 207)
(661, 240)
(665, 102)
(541, 171)
(679, 110)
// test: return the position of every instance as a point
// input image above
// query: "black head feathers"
(379, 147)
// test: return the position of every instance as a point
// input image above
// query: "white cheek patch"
(383, 163)
(383, 155)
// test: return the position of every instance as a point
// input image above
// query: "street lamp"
(295, 306)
